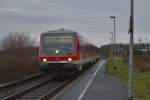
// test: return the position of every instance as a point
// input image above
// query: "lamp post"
(110, 47)
(131, 63)
(114, 46)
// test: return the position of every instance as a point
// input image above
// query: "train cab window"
(64, 44)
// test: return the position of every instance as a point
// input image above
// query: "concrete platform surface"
(94, 84)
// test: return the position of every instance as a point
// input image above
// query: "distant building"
(144, 48)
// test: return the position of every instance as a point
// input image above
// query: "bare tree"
(19, 56)
(15, 40)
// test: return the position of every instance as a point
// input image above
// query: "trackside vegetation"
(18, 57)
(141, 78)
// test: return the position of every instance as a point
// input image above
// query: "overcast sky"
(88, 17)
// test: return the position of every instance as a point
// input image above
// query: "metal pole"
(131, 64)
(110, 49)
(114, 46)
(114, 41)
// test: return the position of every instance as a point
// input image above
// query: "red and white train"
(65, 50)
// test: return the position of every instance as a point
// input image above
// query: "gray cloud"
(89, 17)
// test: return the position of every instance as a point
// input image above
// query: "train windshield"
(58, 45)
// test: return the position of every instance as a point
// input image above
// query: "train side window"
(78, 47)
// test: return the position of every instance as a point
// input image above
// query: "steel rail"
(54, 91)
(26, 79)
(20, 93)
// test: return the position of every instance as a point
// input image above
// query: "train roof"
(64, 32)
(59, 31)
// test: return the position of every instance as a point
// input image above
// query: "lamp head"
(112, 17)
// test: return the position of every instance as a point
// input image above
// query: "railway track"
(22, 81)
(38, 89)
(12, 88)
(41, 91)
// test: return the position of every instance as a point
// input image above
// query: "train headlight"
(69, 59)
(57, 51)
(44, 59)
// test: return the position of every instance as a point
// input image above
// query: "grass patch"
(120, 71)
(142, 85)
(141, 79)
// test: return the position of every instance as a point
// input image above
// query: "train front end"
(58, 51)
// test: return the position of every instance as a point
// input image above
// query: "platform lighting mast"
(114, 38)
(131, 58)
(112, 48)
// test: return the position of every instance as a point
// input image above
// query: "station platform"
(94, 84)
